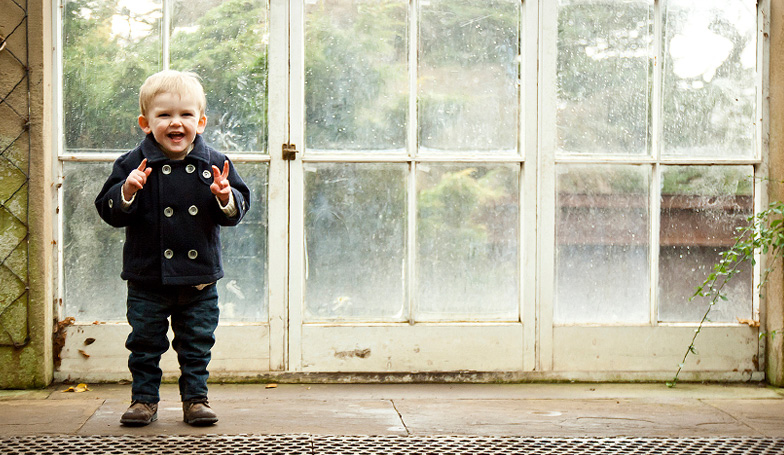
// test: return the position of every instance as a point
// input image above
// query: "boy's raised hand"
(220, 186)
(136, 180)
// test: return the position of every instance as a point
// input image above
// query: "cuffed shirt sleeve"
(230, 209)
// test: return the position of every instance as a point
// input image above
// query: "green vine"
(764, 232)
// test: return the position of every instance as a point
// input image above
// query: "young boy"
(172, 193)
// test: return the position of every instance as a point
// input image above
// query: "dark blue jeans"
(194, 317)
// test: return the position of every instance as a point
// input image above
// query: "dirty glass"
(244, 290)
(356, 77)
(602, 258)
(467, 242)
(701, 208)
(468, 75)
(355, 239)
(109, 49)
(92, 251)
(225, 42)
(604, 76)
(710, 58)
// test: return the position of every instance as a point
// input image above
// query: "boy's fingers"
(148, 171)
(143, 165)
(216, 173)
(225, 173)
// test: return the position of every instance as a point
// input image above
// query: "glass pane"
(355, 231)
(701, 208)
(92, 251)
(709, 78)
(356, 77)
(109, 49)
(468, 75)
(467, 242)
(602, 244)
(244, 291)
(225, 42)
(603, 76)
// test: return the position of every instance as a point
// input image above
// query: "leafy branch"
(764, 232)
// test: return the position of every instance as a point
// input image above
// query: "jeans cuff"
(146, 398)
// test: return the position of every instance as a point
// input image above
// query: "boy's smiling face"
(174, 121)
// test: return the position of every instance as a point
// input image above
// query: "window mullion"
(655, 137)
(166, 33)
(656, 96)
(412, 144)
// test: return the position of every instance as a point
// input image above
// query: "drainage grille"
(379, 445)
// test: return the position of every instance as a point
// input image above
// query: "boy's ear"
(144, 124)
(201, 125)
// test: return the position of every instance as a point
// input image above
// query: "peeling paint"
(359, 353)
(58, 340)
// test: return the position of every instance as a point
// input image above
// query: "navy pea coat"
(172, 229)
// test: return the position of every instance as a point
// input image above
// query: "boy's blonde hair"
(183, 83)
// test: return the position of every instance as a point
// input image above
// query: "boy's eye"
(163, 115)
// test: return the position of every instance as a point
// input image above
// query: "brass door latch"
(290, 152)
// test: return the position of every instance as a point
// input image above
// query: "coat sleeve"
(241, 194)
(109, 201)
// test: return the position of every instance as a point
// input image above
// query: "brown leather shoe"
(198, 413)
(140, 414)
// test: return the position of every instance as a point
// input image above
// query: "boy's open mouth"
(176, 136)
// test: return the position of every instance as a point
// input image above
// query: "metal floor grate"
(377, 445)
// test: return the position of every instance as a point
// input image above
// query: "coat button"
(168, 254)
(206, 174)
(193, 210)
(168, 211)
(192, 254)
(111, 203)
(166, 169)
(190, 168)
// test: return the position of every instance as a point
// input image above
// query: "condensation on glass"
(605, 51)
(701, 209)
(602, 246)
(92, 252)
(356, 75)
(468, 76)
(109, 49)
(355, 224)
(467, 235)
(709, 83)
(226, 43)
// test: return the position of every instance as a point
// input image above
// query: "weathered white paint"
(619, 349)
(239, 351)
(412, 348)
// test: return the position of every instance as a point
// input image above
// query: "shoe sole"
(202, 422)
(139, 423)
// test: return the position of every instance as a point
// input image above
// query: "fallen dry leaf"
(749, 322)
(78, 389)
(86, 355)
(272, 386)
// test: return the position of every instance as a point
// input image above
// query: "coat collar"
(154, 154)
